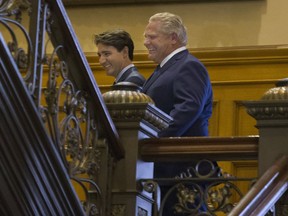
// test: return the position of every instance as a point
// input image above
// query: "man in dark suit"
(180, 86)
(115, 51)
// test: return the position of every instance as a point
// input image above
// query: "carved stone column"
(271, 113)
(135, 117)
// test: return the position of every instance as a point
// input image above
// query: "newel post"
(271, 114)
(135, 117)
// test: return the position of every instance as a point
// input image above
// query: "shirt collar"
(172, 54)
(123, 71)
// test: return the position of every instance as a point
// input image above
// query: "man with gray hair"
(180, 87)
(181, 77)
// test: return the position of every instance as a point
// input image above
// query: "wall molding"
(220, 56)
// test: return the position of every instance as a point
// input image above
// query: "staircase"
(64, 151)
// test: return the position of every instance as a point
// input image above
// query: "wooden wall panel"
(245, 169)
(244, 123)
(237, 74)
(214, 120)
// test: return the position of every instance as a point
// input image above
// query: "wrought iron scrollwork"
(10, 18)
(195, 193)
(65, 109)
(69, 115)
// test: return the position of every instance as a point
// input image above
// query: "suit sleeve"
(190, 91)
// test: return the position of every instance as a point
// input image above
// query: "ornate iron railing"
(186, 194)
(195, 194)
(70, 102)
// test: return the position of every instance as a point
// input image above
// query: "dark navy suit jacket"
(132, 75)
(182, 89)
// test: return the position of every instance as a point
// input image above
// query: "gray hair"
(171, 23)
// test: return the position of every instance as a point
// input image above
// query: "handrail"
(81, 71)
(52, 133)
(34, 179)
(197, 148)
(266, 191)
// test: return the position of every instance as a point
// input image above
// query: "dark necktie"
(151, 78)
(155, 73)
(157, 69)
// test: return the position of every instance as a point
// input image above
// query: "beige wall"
(218, 24)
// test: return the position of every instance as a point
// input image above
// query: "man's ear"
(174, 37)
(126, 51)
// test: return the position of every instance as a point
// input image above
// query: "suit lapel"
(125, 75)
(152, 78)
(162, 70)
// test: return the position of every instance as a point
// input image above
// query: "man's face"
(110, 59)
(159, 45)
